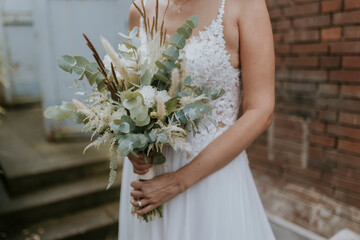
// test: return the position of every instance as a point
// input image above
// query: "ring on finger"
(139, 203)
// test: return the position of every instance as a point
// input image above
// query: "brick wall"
(307, 165)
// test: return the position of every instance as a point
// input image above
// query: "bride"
(212, 195)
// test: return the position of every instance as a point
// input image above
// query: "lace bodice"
(208, 63)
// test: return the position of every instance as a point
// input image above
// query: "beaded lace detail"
(208, 63)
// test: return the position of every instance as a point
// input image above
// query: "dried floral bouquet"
(142, 98)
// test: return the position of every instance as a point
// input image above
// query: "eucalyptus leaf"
(192, 21)
(145, 79)
(158, 158)
(185, 30)
(66, 63)
(178, 41)
(170, 105)
(172, 53)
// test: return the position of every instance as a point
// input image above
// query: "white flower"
(117, 114)
(122, 48)
(107, 63)
(163, 95)
(148, 93)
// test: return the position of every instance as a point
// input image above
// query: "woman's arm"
(258, 77)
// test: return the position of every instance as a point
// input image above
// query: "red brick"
(345, 47)
(349, 146)
(313, 75)
(281, 25)
(352, 32)
(344, 131)
(300, 87)
(286, 144)
(345, 76)
(344, 183)
(275, 13)
(342, 158)
(343, 104)
(305, 1)
(328, 116)
(302, 10)
(282, 75)
(346, 17)
(288, 133)
(282, 49)
(313, 48)
(350, 91)
(278, 61)
(316, 127)
(350, 118)
(301, 61)
(277, 37)
(328, 90)
(327, 61)
(330, 6)
(302, 36)
(348, 197)
(348, 172)
(351, 4)
(324, 141)
(288, 122)
(317, 21)
(351, 62)
(331, 34)
(314, 152)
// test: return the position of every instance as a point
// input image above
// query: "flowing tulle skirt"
(222, 206)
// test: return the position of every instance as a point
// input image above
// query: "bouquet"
(141, 96)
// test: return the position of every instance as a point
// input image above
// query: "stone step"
(100, 223)
(53, 201)
(29, 162)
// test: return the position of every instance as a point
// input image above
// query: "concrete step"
(30, 162)
(53, 201)
(100, 223)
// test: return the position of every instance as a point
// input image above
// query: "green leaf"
(161, 65)
(178, 41)
(172, 53)
(158, 158)
(161, 77)
(145, 79)
(129, 45)
(131, 123)
(80, 67)
(187, 81)
(132, 103)
(66, 63)
(55, 113)
(125, 146)
(192, 21)
(170, 106)
(185, 30)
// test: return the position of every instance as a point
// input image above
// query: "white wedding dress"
(225, 205)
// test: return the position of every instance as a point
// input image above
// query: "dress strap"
(221, 10)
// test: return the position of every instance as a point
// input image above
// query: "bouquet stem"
(155, 212)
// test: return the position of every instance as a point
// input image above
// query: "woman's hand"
(139, 165)
(155, 192)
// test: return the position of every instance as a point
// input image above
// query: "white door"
(17, 47)
(59, 25)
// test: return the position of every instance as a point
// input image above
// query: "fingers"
(139, 203)
(140, 172)
(137, 194)
(138, 159)
(136, 185)
(145, 209)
